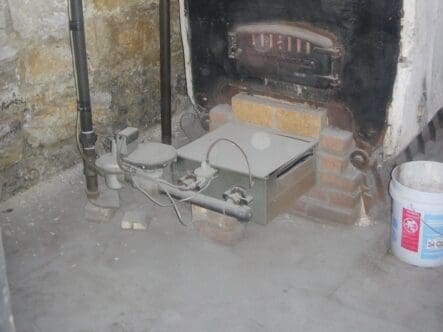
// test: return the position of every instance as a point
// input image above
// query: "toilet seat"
(151, 156)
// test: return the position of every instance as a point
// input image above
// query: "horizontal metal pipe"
(240, 212)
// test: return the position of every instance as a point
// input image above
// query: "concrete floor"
(293, 275)
(70, 275)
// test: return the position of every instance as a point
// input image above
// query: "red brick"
(348, 181)
(318, 193)
(332, 163)
(218, 227)
(336, 141)
(343, 199)
(326, 213)
(219, 116)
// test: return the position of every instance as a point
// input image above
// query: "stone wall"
(37, 91)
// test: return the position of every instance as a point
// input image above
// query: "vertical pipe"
(165, 71)
(87, 135)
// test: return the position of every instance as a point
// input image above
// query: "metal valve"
(238, 196)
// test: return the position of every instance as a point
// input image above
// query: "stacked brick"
(219, 116)
(291, 118)
(336, 197)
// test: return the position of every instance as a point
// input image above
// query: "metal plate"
(267, 150)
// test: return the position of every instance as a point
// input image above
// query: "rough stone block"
(332, 163)
(336, 141)
(49, 63)
(3, 13)
(220, 228)
(133, 37)
(102, 115)
(11, 140)
(2, 183)
(8, 72)
(51, 124)
(220, 115)
(34, 19)
(131, 41)
(114, 4)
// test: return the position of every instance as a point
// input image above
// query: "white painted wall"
(418, 89)
(186, 33)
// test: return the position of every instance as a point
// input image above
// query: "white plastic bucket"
(417, 213)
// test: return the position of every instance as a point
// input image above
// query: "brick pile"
(336, 197)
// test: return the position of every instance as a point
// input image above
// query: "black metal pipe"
(165, 71)
(440, 118)
(88, 137)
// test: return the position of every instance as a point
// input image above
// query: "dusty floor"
(293, 275)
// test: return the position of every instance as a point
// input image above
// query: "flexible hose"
(251, 182)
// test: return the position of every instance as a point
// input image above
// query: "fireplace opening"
(341, 55)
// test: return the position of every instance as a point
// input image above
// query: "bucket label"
(432, 242)
(410, 237)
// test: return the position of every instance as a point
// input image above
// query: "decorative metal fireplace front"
(287, 53)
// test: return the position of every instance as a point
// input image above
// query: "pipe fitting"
(88, 139)
(242, 213)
